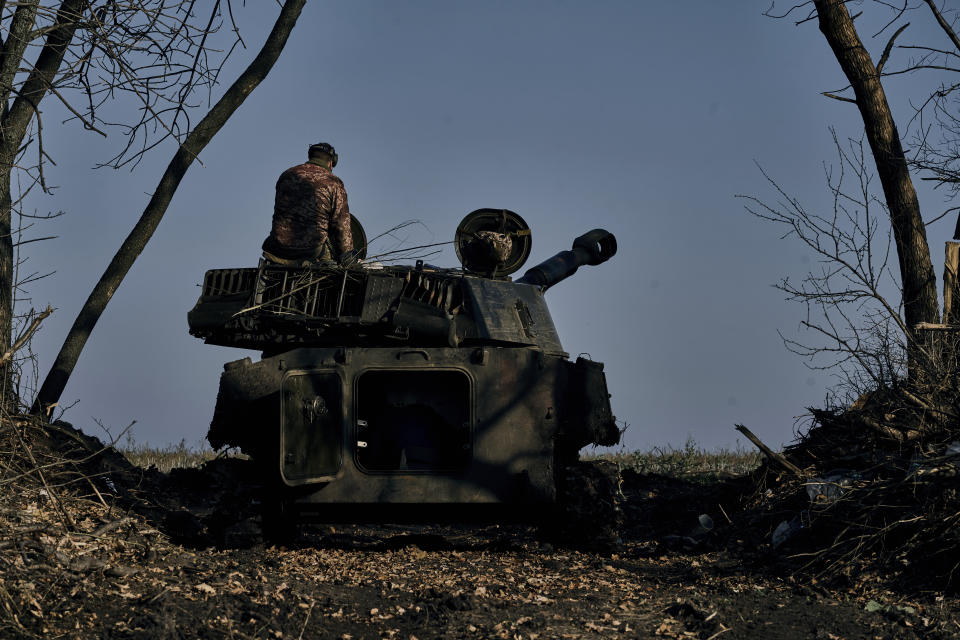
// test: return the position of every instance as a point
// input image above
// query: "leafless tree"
(137, 68)
(852, 297)
(934, 154)
(191, 144)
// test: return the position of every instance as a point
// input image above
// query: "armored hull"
(401, 388)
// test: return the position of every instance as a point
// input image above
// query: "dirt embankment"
(93, 547)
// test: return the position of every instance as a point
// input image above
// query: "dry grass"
(173, 456)
(691, 462)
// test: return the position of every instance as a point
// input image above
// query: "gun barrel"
(592, 248)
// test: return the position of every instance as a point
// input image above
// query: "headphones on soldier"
(324, 147)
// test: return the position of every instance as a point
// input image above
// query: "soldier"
(311, 220)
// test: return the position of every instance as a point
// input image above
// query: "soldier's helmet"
(324, 147)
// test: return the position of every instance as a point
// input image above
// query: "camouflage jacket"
(310, 207)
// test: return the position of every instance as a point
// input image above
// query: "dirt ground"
(181, 556)
(487, 583)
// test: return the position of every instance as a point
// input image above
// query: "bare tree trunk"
(951, 283)
(11, 56)
(951, 310)
(8, 401)
(133, 245)
(13, 128)
(916, 270)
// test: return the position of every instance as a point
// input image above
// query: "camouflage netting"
(495, 246)
(876, 498)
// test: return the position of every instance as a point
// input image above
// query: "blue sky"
(639, 117)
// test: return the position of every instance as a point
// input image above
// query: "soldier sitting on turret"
(311, 220)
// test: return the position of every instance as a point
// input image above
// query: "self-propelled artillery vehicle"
(395, 392)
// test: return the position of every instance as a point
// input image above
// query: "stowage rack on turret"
(272, 305)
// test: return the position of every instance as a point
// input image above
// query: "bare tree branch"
(886, 50)
(26, 335)
(947, 29)
(836, 97)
